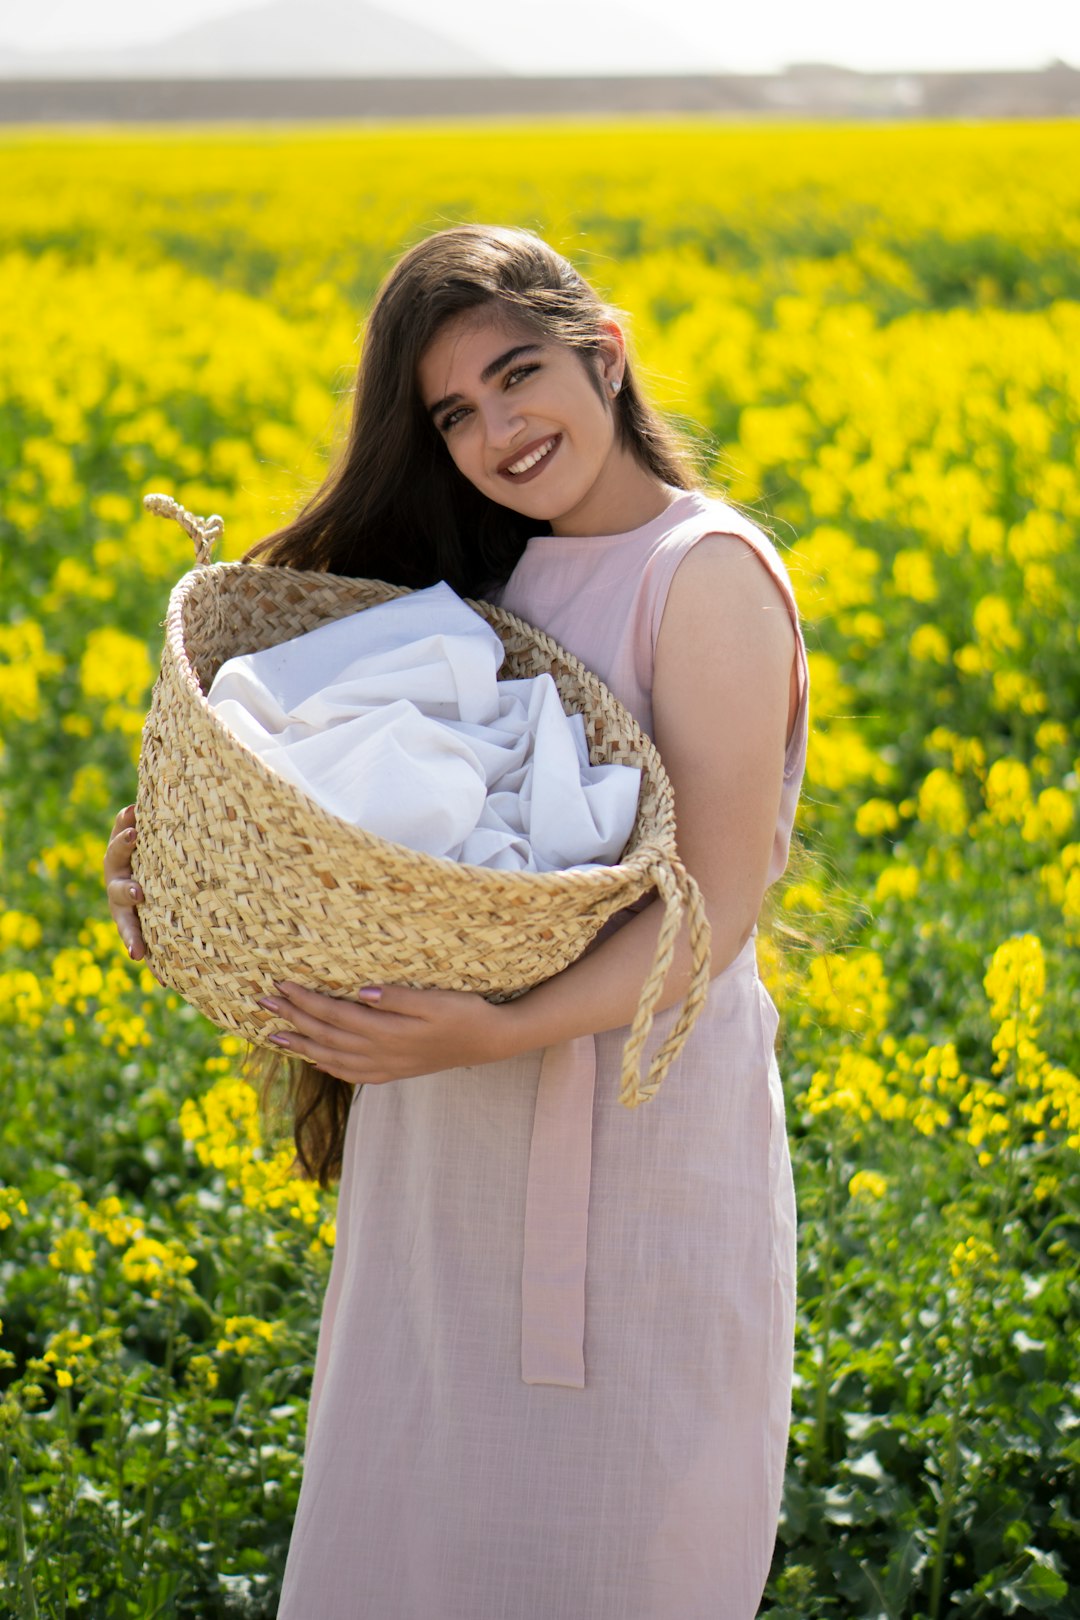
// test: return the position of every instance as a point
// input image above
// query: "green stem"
(160, 1439)
(119, 1451)
(68, 1485)
(1009, 1083)
(252, 1407)
(950, 1474)
(206, 1426)
(1007, 1197)
(26, 1580)
(817, 1456)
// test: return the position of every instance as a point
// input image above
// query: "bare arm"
(724, 699)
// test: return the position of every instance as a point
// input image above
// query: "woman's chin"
(534, 506)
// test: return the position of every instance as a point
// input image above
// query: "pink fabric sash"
(557, 1217)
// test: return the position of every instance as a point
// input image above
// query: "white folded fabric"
(394, 720)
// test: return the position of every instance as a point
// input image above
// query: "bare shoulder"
(723, 589)
(726, 638)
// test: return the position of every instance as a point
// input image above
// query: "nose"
(503, 422)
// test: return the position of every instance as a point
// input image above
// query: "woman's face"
(522, 419)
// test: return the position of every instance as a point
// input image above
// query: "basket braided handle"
(681, 897)
(205, 532)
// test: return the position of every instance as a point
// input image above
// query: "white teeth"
(530, 461)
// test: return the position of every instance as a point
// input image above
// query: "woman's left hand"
(389, 1033)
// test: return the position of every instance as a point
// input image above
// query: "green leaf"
(1039, 1587)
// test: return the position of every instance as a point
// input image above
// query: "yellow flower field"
(872, 333)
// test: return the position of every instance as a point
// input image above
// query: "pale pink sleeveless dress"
(554, 1367)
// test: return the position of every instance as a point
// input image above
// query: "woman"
(553, 1373)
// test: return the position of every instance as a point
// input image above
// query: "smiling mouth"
(532, 461)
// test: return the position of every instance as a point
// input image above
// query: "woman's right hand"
(123, 893)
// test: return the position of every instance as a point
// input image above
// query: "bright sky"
(622, 35)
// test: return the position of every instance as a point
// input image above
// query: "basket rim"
(626, 872)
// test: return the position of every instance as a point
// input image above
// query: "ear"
(612, 352)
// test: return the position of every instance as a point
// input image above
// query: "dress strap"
(557, 1217)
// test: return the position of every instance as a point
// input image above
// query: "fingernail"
(269, 1003)
(133, 890)
(279, 1040)
(130, 835)
(370, 994)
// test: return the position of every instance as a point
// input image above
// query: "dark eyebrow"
(489, 371)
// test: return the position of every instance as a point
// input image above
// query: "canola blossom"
(871, 338)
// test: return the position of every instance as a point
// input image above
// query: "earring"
(614, 385)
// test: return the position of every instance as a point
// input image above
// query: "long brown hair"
(394, 506)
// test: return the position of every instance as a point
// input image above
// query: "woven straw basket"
(247, 879)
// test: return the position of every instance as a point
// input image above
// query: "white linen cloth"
(393, 718)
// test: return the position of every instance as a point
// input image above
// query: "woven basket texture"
(247, 879)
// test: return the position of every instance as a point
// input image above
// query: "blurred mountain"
(282, 39)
